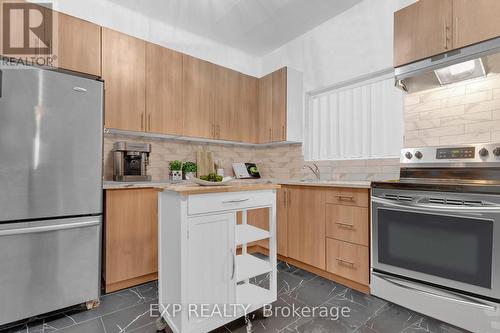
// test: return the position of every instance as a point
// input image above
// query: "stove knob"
(408, 155)
(483, 152)
(419, 155)
(496, 151)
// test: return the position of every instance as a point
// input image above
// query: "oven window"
(456, 248)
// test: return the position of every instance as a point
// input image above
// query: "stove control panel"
(454, 155)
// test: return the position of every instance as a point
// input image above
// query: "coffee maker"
(130, 161)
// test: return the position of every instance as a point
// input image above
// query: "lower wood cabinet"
(348, 223)
(130, 237)
(306, 225)
(350, 261)
(324, 230)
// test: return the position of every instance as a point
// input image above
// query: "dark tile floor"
(128, 311)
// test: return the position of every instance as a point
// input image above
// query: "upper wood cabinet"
(76, 44)
(163, 90)
(198, 97)
(124, 73)
(248, 106)
(430, 27)
(131, 237)
(279, 116)
(264, 117)
(421, 30)
(229, 118)
(306, 226)
(279, 91)
(475, 21)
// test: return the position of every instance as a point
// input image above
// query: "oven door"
(447, 239)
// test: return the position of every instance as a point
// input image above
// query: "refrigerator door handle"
(47, 228)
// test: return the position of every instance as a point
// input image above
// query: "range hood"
(467, 63)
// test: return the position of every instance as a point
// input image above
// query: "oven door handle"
(427, 207)
(450, 296)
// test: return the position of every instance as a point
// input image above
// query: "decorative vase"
(176, 175)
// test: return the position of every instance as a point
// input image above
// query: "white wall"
(354, 43)
(114, 16)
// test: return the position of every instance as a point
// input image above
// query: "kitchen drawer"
(347, 260)
(220, 202)
(347, 223)
(348, 196)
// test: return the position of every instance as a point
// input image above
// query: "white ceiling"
(253, 26)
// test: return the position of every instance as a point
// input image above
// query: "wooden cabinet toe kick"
(110, 287)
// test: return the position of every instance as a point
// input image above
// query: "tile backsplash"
(281, 161)
(461, 113)
(466, 112)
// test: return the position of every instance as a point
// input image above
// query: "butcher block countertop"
(196, 189)
(186, 186)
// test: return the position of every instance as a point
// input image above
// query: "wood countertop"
(250, 184)
(196, 189)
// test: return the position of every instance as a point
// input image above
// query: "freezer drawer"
(48, 265)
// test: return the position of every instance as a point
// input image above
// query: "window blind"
(362, 120)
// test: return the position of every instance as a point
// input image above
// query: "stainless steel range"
(436, 235)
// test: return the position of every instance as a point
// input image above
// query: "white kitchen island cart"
(203, 282)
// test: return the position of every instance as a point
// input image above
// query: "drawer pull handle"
(234, 201)
(345, 197)
(343, 261)
(346, 225)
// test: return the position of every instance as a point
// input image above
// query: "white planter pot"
(176, 175)
(189, 175)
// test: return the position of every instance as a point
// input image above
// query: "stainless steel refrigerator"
(50, 190)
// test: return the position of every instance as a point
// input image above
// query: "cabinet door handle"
(283, 135)
(149, 122)
(346, 225)
(343, 261)
(445, 30)
(285, 196)
(234, 264)
(142, 122)
(270, 134)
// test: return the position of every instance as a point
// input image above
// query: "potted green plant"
(189, 170)
(175, 170)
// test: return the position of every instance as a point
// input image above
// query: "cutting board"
(205, 161)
